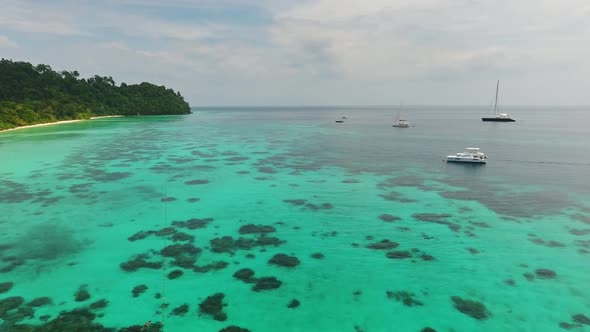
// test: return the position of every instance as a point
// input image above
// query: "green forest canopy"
(37, 94)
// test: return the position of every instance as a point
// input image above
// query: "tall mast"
(496, 102)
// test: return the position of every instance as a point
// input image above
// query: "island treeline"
(37, 94)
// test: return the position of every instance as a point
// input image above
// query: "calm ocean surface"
(377, 232)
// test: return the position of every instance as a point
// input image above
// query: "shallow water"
(72, 195)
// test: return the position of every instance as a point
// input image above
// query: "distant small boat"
(339, 121)
(471, 155)
(400, 123)
(499, 117)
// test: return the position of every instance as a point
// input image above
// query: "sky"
(320, 52)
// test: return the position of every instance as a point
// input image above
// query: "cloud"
(314, 52)
(6, 42)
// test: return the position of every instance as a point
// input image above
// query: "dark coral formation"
(228, 244)
(77, 320)
(284, 260)
(185, 255)
(246, 275)
(174, 274)
(383, 245)
(471, 308)
(294, 303)
(402, 254)
(480, 224)
(82, 294)
(5, 286)
(40, 301)
(213, 306)
(139, 235)
(317, 255)
(193, 223)
(581, 318)
(266, 283)
(309, 206)
(138, 290)
(10, 303)
(233, 328)
(218, 265)
(180, 310)
(256, 229)
(551, 244)
(100, 304)
(545, 273)
(580, 232)
(437, 219)
(180, 236)
(389, 218)
(396, 197)
(407, 298)
(196, 182)
(138, 262)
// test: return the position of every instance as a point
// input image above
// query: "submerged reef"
(545, 273)
(264, 283)
(228, 244)
(76, 320)
(5, 286)
(233, 328)
(193, 223)
(213, 306)
(82, 294)
(284, 260)
(180, 310)
(383, 245)
(405, 297)
(196, 182)
(437, 219)
(389, 218)
(140, 261)
(317, 255)
(138, 290)
(256, 229)
(471, 308)
(40, 302)
(294, 303)
(309, 206)
(402, 254)
(174, 274)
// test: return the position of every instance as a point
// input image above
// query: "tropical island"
(32, 95)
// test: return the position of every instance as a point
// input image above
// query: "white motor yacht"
(401, 124)
(471, 155)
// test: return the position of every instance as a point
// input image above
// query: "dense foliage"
(37, 94)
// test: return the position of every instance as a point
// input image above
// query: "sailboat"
(398, 122)
(498, 117)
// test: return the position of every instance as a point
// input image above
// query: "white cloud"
(6, 42)
(319, 52)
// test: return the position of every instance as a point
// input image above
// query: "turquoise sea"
(155, 215)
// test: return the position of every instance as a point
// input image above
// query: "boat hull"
(498, 119)
(402, 126)
(465, 161)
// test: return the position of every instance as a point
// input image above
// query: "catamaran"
(471, 155)
(498, 117)
(400, 123)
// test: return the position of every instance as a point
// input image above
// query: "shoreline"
(60, 122)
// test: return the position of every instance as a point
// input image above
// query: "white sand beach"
(60, 122)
